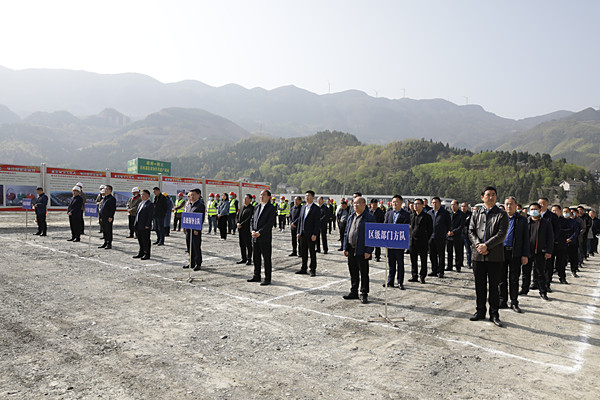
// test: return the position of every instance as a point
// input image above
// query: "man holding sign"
(196, 206)
(396, 215)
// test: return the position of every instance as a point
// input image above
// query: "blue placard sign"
(91, 210)
(191, 221)
(393, 236)
(27, 204)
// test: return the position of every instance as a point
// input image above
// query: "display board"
(215, 186)
(60, 181)
(253, 188)
(123, 183)
(145, 166)
(18, 182)
(172, 185)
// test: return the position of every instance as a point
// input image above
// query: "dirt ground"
(79, 324)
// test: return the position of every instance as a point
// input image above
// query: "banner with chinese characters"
(254, 189)
(191, 220)
(172, 185)
(220, 187)
(18, 182)
(60, 182)
(123, 183)
(393, 236)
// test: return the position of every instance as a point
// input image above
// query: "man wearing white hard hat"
(75, 214)
(132, 206)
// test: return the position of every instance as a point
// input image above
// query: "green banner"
(148, 167)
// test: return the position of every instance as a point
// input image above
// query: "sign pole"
(190, 222)
(26, 205)
(90, 238)
(190, 264)
(26, 222)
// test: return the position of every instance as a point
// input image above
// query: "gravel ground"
(81, 324)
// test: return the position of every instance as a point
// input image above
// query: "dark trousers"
(359, 271)
(159, 226)
(245, 239)
(455, 246)
(330, 225)
(75, 223)
(342, 229)
(377, 253)
(143, 236)
(131, 224)
(222, 221)
(485, 272)
(294, 240)
(41, 222)
(323, 238)
(282, 219)
(195, 250)
(107, 228)
(231, 223)
(396, 264)
(509, 278)
(308, 246)
(416, 253)
(537, 263)
(82, 224)
(262, 250)
(560, 262)
(177, 221)
(595, 245)
(437, 256)
(468, 249)
(573, 254)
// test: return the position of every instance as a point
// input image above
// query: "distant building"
(571, 186)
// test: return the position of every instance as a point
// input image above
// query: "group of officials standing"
(502, 243)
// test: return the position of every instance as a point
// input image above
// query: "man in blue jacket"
(357, 252)
(308, 233)
(107, 215)
(516, 253)
(41, 205)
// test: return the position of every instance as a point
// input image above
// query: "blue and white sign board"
(192, 221)
(27, 204)
(393, 236)
(91, 210)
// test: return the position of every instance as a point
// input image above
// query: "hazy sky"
(515, 58)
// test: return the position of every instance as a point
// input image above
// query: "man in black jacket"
(379, 216)
(437, 242)
(107, 215)
(41, 205)
(516, 253)
(541, 246)
(487, 232)
(421, 228)
(74, 210)
(160, 210)
(308, 233)
(341, 215)
(244, 216)
(565, 232)
(547, 214)
(294, 222)
(324, 221)
(143, 224)
(464, 207)
(196, 206)
(262, 223)
(587, 221)
(454, 241)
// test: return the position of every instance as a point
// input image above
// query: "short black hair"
(269, 192)
(109, 187)
(374, 201)
(307, 192)
(535, 204)
(146, 191)
(556, 205)
(489, 188)
(397, 196)
(436, 198)
(359, 194)
(196, 190)
(248, 195)
(156, 188)
(42, 189)
(421, 200)
(544, 198)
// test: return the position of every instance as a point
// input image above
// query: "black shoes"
(378, 259)
(423, 279)
(504, 305)
(186, 267)
(108, 247)
(544, 296)
(313, 273)
(325, 252)
(292, 255)
(496, 321)
(440, 275)
(241, 262)
(129, 237)
(476, 317)
(196, 268)
(448, 269)
(549, 290)
(389, 284)
(574, 274)
(253, 279)
(138, 256)
(522, 292)
(77, 240)
(564, 281)
(340, 249)
(248, 262)
(516, 308)
(145, 258)
(364, 299)
(351, 296)
(401, 286)
(43, 234)
(103, 246)
(432, 274)
(265, 283)
(37, 233)
(161, 244)
(70, 240)
(413, 280)
(301, 272)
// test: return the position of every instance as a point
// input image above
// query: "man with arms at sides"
(396, 215)
(342, 215)
(324, 221)
(143, 225)
(516, 253)
(356, 250)
(565, 231)
(132, 205)
(196, 206)
(294, 223)
(487, 232)
(421, 227)
(41, 205)
(308, 233)
(262, 223)
(107, 216)
(541, 246)
(546, 213)
(464, 207)
(454, 241)
(244, 216)
(74, 212)
(437, 242)
(379, 216)
(572, 241)
(160, 210)
(223, 216)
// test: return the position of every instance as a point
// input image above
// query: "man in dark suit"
(308, 233)
(516, 253)
(262, 223)
(379, 216)
(41, 205)
(454, 241)
(464, 207)
(421, 227)
(143, 225)
(356, 250)
(294, 223)
(244, 216)
(107, 215)
(541, 246)
(547, 214)
(487, 232)
(437, 242)
(324, 222)
(74, 210)
(396, 215)
(196, 206)
(160, 210)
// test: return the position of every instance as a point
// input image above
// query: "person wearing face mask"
(541, 246)
(211, 213)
